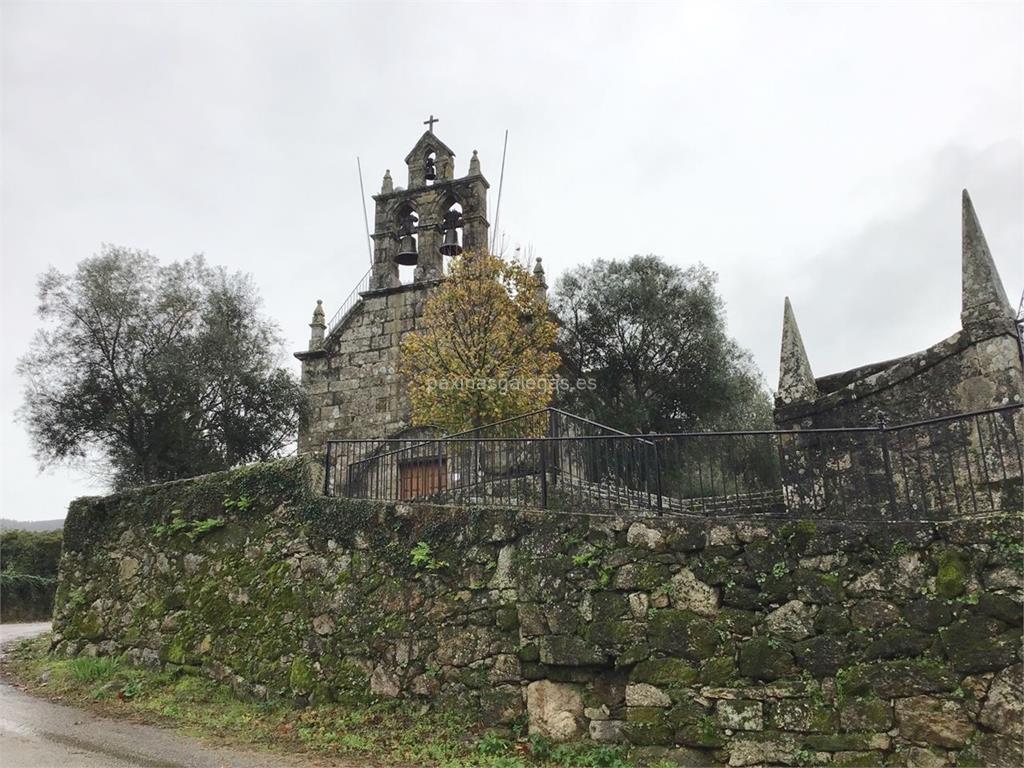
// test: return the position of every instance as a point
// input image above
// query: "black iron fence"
(955, 466)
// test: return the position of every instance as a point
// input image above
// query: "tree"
(486, 349)
(159, 372)
(653, 337)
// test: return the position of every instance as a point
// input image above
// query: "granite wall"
(738, 642)
(979, 367)
(352, 383)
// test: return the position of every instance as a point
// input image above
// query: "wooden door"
(422, 477)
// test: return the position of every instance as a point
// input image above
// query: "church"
(358, 400)
(350, 370)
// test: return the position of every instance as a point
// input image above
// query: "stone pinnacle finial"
(317, 327)
(387, 186)
(474, 164)
(796, 381)
(538, 272)
(983, 295)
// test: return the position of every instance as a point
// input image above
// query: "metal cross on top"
(430, 123)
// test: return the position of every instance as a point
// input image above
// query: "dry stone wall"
(712, 642)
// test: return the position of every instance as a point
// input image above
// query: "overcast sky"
(814, 150)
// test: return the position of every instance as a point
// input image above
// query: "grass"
(89, 669)
(381, 730)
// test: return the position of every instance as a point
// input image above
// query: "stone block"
(777, 749)
(919, 757)
(739, 715)
(666, 673)
(866, 714)
(555, 709)
(646, 695)
(793, 621)
(683, 633)
(803, 715)
(687, 592)
(607, 731)
(643, 576)
(1003, 708)
(927, 720)
(647, 725)
(761, 659)
(640, 535)
(980, 645)
(570, 651)
(874, 614)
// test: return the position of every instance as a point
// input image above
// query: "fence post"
(440, 471)
(327, 469)
(657, 470)
(544, 473)
(555, 456)
(883, 435)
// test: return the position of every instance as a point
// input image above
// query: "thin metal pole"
(887, 463)
(366, 220)
(543, 473)
(327, 470)
(657, 468)
(501, 182)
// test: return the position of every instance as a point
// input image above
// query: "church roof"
(429, 141)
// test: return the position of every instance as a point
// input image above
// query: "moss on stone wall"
(738, 641)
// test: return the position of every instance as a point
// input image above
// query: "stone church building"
(350, 370)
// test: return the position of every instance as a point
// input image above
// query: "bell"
(450, 246)
(431, 171)
(407, 255)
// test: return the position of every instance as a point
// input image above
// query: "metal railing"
(349, 303)
(938, 469)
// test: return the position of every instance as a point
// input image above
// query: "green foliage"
(1009, 543)
(422, 558)
(492, 745)
(900, 547)
(540, 746)
(193, 529)
(34, 552)
(804, 757)
(654, 339)
(162, 371)
(591, 557)
(485, 349)
(28, 580)
(585, 559)
(242, 503)
(586, 756)
(90, 669)
(707, 727)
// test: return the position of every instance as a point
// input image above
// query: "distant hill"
(6, 524)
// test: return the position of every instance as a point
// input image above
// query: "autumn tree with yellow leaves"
(485, 350)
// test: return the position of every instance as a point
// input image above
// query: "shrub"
(28, 580)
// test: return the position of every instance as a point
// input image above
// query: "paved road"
(35, 733)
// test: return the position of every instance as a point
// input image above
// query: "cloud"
(894, 287)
